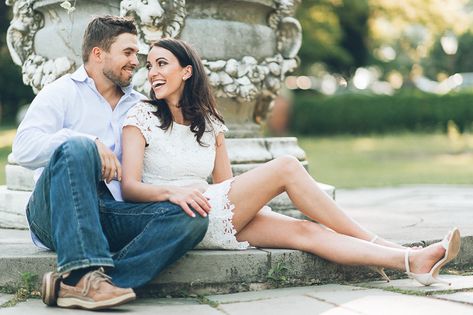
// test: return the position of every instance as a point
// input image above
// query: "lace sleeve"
(141, 117)
(217, 126)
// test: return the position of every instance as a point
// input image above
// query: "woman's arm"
(222, 168)
(133, 189)
(133, 145)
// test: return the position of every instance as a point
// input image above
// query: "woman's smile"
(166, 75)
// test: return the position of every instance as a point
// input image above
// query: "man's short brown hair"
(102, 32)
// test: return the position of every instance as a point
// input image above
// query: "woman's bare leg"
(273, 230)
(252, 190)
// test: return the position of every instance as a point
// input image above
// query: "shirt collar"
(81, 75)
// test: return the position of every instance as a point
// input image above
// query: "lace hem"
(221, 233)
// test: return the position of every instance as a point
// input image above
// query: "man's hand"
(190, 196)
(111, 167)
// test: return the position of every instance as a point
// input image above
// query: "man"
(72, 135)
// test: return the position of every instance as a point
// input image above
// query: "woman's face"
(166, 76)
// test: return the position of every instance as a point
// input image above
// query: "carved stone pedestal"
(247, 47)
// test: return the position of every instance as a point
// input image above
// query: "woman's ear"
(187, 72)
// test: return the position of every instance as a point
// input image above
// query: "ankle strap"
(406, 260)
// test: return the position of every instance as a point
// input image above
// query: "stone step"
(13, 201)
(244, 155)
(260, 150)
(19, 178)
(13, 204)
(211, 272)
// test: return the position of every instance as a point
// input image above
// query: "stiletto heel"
(452, 247)
(379, 270)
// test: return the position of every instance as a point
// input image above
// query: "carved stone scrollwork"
(155, 20)
(245, 80)
(289, 40)
(37, 70)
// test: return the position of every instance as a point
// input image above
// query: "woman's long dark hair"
(197, 102)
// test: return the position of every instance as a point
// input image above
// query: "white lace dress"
(174, 157)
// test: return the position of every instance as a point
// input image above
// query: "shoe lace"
(93, 279)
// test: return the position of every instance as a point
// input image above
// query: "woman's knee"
(288, 165)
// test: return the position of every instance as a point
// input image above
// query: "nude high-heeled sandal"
(451, 243)
(379, 270)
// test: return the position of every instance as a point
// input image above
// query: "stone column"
(247, 47)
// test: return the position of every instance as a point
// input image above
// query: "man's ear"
(96, 54)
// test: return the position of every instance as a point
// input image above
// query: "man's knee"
(79, 144)
(199, 225)
(195, 228)
(78, 149)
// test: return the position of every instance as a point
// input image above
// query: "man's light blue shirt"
(68, 107)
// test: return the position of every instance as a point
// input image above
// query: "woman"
(174, 142)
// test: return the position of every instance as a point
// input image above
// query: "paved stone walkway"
(405, 214)
(332, 299)
(411, 213)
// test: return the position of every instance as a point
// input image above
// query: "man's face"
(121, 60)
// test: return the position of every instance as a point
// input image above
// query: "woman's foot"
(422, 261)
(424, 265)
(380, 241)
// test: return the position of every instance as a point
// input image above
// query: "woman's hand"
(190, 196)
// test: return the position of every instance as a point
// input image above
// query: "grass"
(6, 138)
(391, 160)
(369, 161)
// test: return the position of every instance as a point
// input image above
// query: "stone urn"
(247, 47)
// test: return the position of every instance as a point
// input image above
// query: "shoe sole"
(70, 302)
(50, 288)
(451, 252)
(454, 246)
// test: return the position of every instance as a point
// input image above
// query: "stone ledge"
(13, 204)
(13, 201)
(215, 272)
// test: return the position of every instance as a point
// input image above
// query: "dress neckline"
(180, 125)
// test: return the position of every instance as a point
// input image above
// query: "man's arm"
(42, 130)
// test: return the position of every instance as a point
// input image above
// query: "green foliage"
(348, 161)
(277, 275)
(28, 281)
(439, 62)
(25, 291)
(361, 114)
(13, 93)
(334, 33)
(4, 151)
(346, 34)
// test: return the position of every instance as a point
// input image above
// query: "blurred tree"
(410, 30)
(13, 93)
(334, 32)
(440, 62)
(398, 36)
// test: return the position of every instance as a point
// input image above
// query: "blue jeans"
(72, 212)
